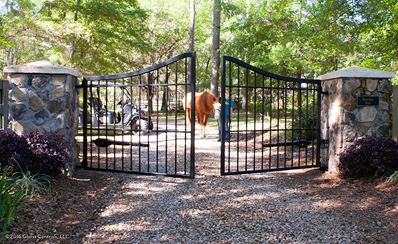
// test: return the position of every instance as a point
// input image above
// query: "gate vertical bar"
(157, 120)
(175, 118)
(106, 126)
(85, 111)
(277, 123)
(193, 89)
(318, 126)
(285, 110)
(186, 79)
(307, 118)
(314, 97)
(270, 119)
(246, 92)
(223, 71)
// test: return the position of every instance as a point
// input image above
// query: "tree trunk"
(164, 99)
(191, 41)
(192, 27)
(216, 47)
(244, 100)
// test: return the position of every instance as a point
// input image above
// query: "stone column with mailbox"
(357, 104)
(42, 97)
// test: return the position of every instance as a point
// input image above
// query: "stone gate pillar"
(43, 97)
(357, 104)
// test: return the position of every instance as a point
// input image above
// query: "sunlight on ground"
(114, 209)
(326, 204)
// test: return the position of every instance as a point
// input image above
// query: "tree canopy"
(299, 38)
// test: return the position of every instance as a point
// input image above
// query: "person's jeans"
(227, 118)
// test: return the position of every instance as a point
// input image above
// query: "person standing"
(229, 105)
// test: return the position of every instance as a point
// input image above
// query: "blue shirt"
(228, 104)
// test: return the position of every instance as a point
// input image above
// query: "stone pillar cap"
(41, 67)
(357, 72)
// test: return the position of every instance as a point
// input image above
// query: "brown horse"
(204, 104)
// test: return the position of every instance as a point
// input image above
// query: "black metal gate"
(277, 125)
(135, 123)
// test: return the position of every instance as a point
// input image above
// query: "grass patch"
(10, 198)
(250, 122)
(393, 178)
(33, 185)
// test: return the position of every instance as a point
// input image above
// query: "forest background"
(296, 38)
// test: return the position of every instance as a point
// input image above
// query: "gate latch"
(102, 142)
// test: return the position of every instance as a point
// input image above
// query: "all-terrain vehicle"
(130, 113)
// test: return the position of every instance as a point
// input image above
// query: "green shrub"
(9, 200)
(33, 185)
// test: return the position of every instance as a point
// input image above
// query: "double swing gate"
(136, 123)
(277, 121)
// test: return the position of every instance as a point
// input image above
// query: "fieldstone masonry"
(343, 120)
(43, 97)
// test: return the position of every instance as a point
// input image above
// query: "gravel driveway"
(296, 206)
(300, 206)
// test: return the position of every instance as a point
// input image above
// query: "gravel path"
(297, 206)
(294, 207)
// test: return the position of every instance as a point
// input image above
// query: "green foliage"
(267, 34)
(33, 185)
(290, 37)
(75, 33)
(393, 178)
(9, 200)
(3, 42)
(305, 121)
(310, 38)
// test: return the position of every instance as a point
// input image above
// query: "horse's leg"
(188, 117)
(200, 118)
(205, 120)
(200, 122)
(204, 124)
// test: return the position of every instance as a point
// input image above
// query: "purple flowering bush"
(369, 156)
(34, 152)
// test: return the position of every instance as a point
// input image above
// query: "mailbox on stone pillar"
(357, 104)
(42, 97)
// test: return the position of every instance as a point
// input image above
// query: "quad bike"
(131, 114)
(137, 119)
